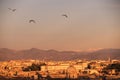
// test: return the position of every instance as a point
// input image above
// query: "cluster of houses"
(55, 69)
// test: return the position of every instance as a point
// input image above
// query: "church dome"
(71, 70)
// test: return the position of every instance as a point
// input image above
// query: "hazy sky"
(90, 24)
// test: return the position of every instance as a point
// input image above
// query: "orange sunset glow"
(60, 24)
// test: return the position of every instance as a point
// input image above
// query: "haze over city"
(90, 24)
(59, 39)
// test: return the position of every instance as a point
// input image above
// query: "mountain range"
(34, 53)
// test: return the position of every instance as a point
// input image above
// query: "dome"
(71, 70)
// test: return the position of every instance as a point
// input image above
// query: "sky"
(91, 24)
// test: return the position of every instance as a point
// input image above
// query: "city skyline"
(89, 24)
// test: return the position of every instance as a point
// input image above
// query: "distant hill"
(34, 53)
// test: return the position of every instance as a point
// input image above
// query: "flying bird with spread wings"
(13, 10)
(65, 15)
(32, 21)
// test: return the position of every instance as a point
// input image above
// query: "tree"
(115, 66)
(34, 67)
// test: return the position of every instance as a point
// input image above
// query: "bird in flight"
(13, 10)
(32, 21)
(65, 15)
